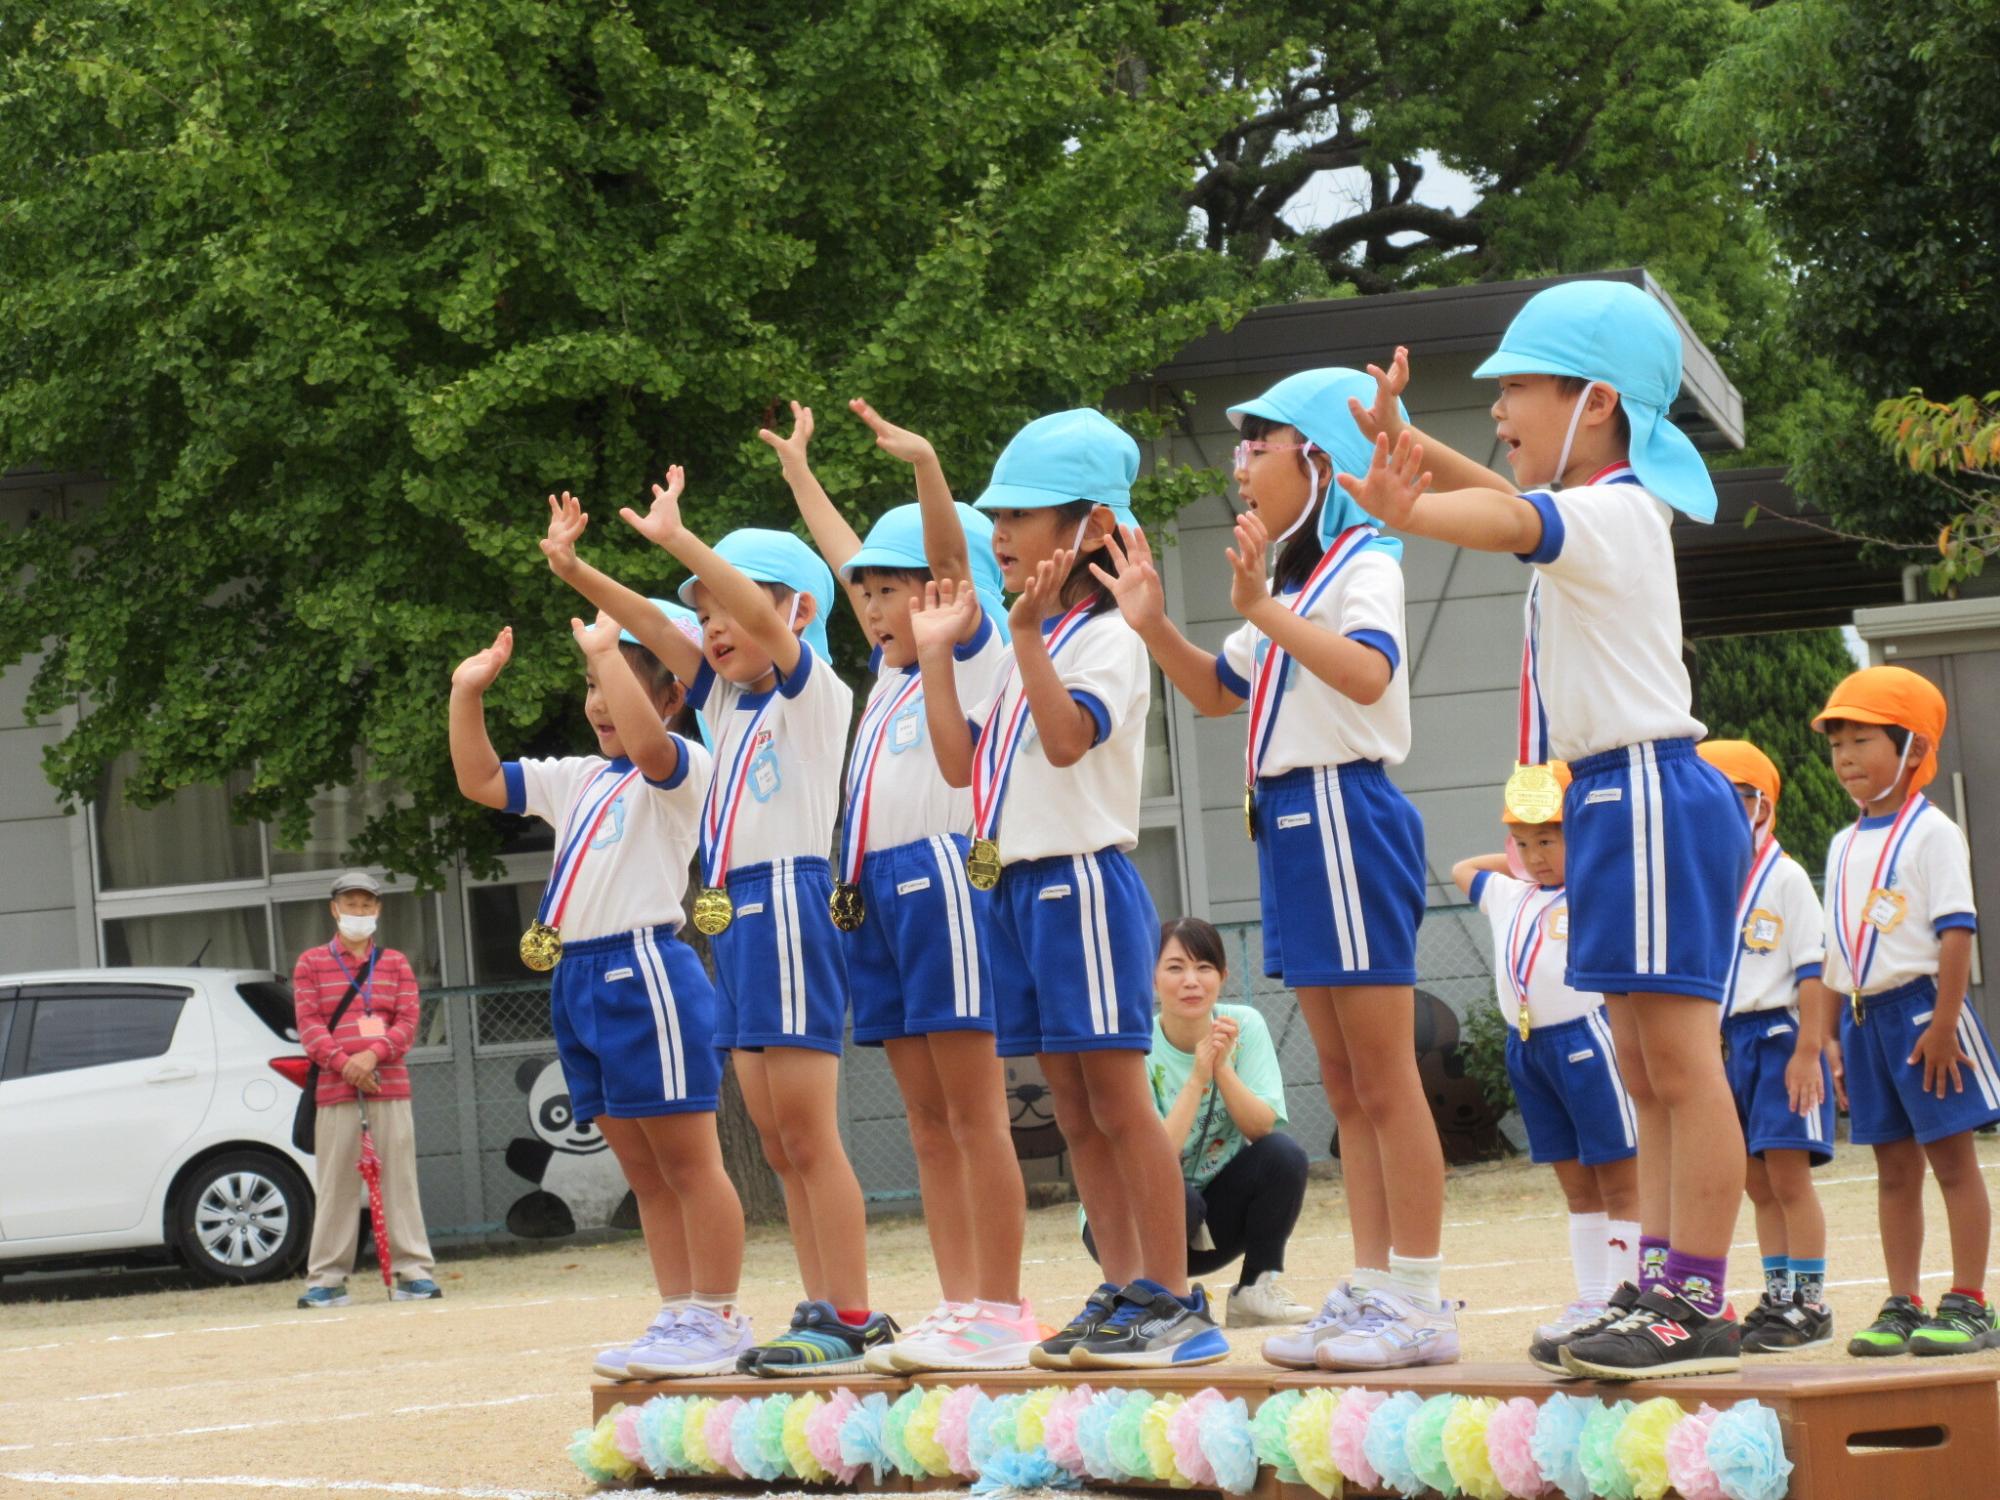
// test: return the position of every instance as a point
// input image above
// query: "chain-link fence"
(499, 1154)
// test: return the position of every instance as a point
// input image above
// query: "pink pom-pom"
(1687, 1456)
(1184, 1437)
(1059, 1428)
(823, 1434)
(1509, 1433)
(717, 1431)
(954, 1435)
(625, 1433)
(1346, 1429)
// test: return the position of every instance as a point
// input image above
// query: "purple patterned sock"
(1652, 1262)
(1701, 1279)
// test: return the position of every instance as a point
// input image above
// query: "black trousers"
(1250, 1207)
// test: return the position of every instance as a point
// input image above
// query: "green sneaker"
(1890, 1332)
(1961, 1325)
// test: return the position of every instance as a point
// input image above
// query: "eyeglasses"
(1240, 456)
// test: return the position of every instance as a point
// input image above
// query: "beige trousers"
(343, 1197)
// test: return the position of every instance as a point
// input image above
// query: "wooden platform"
(1911, 1428)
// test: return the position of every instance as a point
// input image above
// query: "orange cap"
(1744, 764)
(1558, 769)
(1891, 695)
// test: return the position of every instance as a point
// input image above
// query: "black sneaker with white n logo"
(1664, 1335)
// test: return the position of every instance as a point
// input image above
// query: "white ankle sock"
(1417, 1276)
(1589, 1253)
(1367, 1279)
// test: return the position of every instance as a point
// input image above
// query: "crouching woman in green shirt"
(1218, 1088)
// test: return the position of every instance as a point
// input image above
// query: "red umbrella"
(370, 1167)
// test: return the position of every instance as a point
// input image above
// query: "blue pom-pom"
(743, 1440)
(659, 1424)
(861, 1436)
(990, 1428)
(1093, 1434)
(1009, 1471)
(1224, 1433)
(1558, 1431)
(1384, 1442)
(1746, 1448)
(1597, 1452)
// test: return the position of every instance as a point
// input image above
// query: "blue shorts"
(917, 962)
(1755, 1048)
(779, 968)
(1073, 939)
(1340, 867)
(1572, 1097)
(634, 1020)
(1886, 1101)
(1657, 848)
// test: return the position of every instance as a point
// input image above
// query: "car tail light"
(294, 1068)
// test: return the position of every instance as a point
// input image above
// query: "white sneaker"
(973, 1339)
(1296, 1351)
(881, 1359)
(1392, 1333)
(612, 1363)
(1264, 1304)
(1574, 1316)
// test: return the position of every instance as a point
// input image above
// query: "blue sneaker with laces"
(1151, 1328)
(818, 1343)
(416, 1289)
(317, 1297)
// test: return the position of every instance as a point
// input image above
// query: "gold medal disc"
(713, 910)
(1533, 795)
(541, 947)
(1521, 1023)
(982, 864)
(1250, 812)
(847, 907)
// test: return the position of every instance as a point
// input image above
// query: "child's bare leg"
(1955, 1163)
(947, 1190)
(974, 1084)
(1360, 1158)
(1100, 1184)
(1579, 1186)
(1771, 1239)
(1121, 1103)
(1618, 1188)
(688, 1155)
(1655, 1162)
(1802, 1222)
(1684, 1066)
(1378, 1022)
(660, 1218)
(805, 1103)
(1899, 1210)
(754, 1079)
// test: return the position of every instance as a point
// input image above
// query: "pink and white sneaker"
(983, 1336)
(881, 1360)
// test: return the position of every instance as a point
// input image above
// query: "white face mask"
(354, 928)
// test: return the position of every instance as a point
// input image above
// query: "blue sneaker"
(613, 1363)
(703, 1342)
(818, 1343)
(1151, 1328)
(416, 1289)
(1053, 1353)
(325, 1296)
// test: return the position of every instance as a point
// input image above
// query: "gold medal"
(847, 907)
(713, 910)
(541, 947)
(1521, 1022)
(1250, 812)
(1854, 1003)
(982, 864)
(1533, 795)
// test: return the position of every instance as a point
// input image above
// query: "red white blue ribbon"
(1524, 947)
(579, 828)
(1533, 742)
(724, 799)
(993, 756)
(1267, 689)
(868, 743)
(1746, 902)
(1858, 949)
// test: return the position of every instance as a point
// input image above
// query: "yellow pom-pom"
(1465, 1448)
(798, 1452)
(1160, 1452)
(694, 1436)
(1031, 1420)
(602, 1450)
(1641, 1445)
(1309, 1438)
(920, 1434)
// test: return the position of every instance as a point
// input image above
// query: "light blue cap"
(1611, 331)
(1064, 457)
(781, 558)
(689, 625)
(896, 540)
(1315, 402)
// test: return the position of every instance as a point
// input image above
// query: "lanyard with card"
(370, 1025)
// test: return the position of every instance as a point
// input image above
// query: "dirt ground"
(141, 1384)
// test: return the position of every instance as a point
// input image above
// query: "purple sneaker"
(613, 1363)
(703, 1342)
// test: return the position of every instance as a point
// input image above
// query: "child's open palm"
(479, 671)
(566, 526)
(1937, 1052)
(791, 450)
(944, 614)
(1248, 583)
(1396, 477)
(897, 442)
(1135, 588)
(1381, 418)
(661, 523)
(1041, 596)
(599, 639)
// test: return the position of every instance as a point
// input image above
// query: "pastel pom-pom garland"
(1509, 1434)
(1388, 1425)
(1641, 1445)
(1687, 1456)
(1746, 1449)
(1596, 1452)
(1348, 1432)
(1558, 1429)
(1229, 1447)
(1423, 1442)
(1465, 1451)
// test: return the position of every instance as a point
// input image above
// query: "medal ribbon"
(1851, 948)
(365, 981)
(1267, 687)
(993, 756)
(1534, 718)
(1746, 900)
(724, 800)
(1524, 951)
(868, 743)
(578, 830)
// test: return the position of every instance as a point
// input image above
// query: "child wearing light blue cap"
(1054, 756)
(1340, 850)
(913, 927)
(1657, 843)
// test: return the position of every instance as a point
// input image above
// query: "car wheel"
(243, 1216)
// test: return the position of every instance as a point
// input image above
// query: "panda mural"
(577, 1181)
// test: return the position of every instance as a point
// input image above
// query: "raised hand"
(661, 523)
(1940, 1056)
(897, 442)
(1042, 595)
(1248, 585)
(792, 450)
(598, 639)
(943, 615)
(1381, 418)
(478, 671)
(1395, 478)
(566, 523)
(1135, 588)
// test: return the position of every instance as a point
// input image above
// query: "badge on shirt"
(907, 729)
(1886, 909)
(372, 1026)
(1762, 930)
(764, 777)
(1555, 926)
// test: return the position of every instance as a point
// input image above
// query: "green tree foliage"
(1766, 689)
(1956, 445)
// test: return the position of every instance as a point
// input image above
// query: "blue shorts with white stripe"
(1886, 1101)
(1656, 851)
(1073, 938)
(780, 972)
(635, 1026)
(1756, 1046)
(1340, 866)
(1572, 1096)
(917, 962)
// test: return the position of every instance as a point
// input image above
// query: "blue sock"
(1778, 1278)
(1810, 1278)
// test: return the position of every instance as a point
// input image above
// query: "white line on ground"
(269, 1482)
(291, 1421)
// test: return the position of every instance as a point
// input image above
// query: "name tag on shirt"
(903, 733)
(1295, 820)
(911, 887)
(1885, 910)
(1605, 794)
(372, 1026)
(1053, 893)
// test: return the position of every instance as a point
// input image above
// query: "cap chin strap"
(1312, 496)
(1076, 542)
(1901, 761)
(1569, 438)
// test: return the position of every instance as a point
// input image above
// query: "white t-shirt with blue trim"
(911, 799)
(1931, 892)
(634, 874)
(1318, 725)
(1780, 942)
(1550, 999)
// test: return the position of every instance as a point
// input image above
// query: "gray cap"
(357, 880)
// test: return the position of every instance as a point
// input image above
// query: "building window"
(226, 937)
(338, 815)
(187, 840)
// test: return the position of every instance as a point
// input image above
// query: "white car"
(145, 1111)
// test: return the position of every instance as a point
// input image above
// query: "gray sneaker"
(416, 1289)
(614, 1363)
(317, 1297)
(1393, 1333)
(1296, 1350)
(703, 1342)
